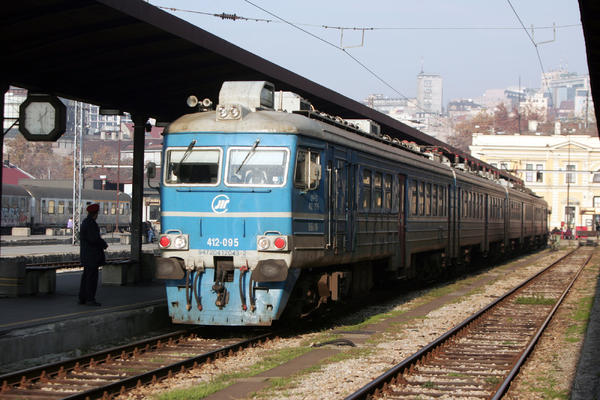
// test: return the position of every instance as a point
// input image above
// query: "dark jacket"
(91, 245)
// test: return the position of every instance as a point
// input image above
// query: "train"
(43, 204)
(272, 209)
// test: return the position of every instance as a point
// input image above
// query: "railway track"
(479, 358)
(114, 371)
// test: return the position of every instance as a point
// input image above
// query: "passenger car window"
(263, 166)
(366, 189)
(200, 167)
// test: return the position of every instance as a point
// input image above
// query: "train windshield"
(198, 166)
(257, 166)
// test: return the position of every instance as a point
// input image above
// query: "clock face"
(40, 118)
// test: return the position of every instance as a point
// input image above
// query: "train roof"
(65, 193)
(14, 190)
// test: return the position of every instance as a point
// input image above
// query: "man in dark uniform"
(91, 247)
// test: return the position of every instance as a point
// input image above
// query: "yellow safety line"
(77, 313)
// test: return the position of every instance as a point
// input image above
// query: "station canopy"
(132, 56)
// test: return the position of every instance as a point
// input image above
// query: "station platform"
(47, 327)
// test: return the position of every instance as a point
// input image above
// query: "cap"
(93, 208)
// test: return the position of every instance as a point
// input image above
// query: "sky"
(474, 45)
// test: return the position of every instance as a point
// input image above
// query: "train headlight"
(235, 112)
(272, 243)
(222, 112)
(173, 239)
(263, 243)
(180, 242)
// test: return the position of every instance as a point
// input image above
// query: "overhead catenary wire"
(235, 17)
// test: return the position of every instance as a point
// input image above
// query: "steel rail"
(514, 371)
(49, 370)
(59, 370)
(378, 383)
(159, 373)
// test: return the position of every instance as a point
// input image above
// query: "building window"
(503, 166)
(529, 172)
(596, 178)
(539, 176)
(570, 177)
(596, 201)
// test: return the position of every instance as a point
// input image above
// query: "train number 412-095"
(223, 242)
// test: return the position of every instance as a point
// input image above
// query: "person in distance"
(91, 253)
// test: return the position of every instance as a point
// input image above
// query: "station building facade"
(563, 169)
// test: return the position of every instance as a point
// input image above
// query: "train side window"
(377, 190)
(70, 209)
(442, 201)
(51, 204)
(421, 198)
(387, 186)
(113, 208)
(105, 207)
(308, 169)
(366, 189)
(61, 207)
(413, 198)
(428, 199)
(121, 208)
(434, 200)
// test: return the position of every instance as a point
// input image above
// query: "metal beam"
(139, 131)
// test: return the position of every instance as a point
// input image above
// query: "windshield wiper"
(185, 155)
(252, 150)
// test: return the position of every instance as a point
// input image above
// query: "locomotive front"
(226, 189)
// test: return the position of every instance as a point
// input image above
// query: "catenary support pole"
(139, 133)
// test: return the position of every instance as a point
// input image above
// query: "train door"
(341, 206)
(402, 217)
(486, 242)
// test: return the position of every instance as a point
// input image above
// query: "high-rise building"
(429, 93)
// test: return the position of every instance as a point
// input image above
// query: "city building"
(429, 93)
(563, 169)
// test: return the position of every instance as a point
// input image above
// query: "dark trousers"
(89, 283)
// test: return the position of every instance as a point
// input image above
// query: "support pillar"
(3, 90)
(139, 133)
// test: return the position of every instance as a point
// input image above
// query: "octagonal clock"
(42, 117)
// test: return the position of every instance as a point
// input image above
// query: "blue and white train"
(267, 210)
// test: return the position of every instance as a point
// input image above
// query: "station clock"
(42, 117)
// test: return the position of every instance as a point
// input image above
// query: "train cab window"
(61, 207)
(377, 190)
(387, 187)
(421, 198)
(51, 204)
(195, 166)
(366, 189)
(308, 169)
(265, 166)
(428, 199)
(413, 198)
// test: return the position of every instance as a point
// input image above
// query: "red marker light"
(164, 241)
(279, 243)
